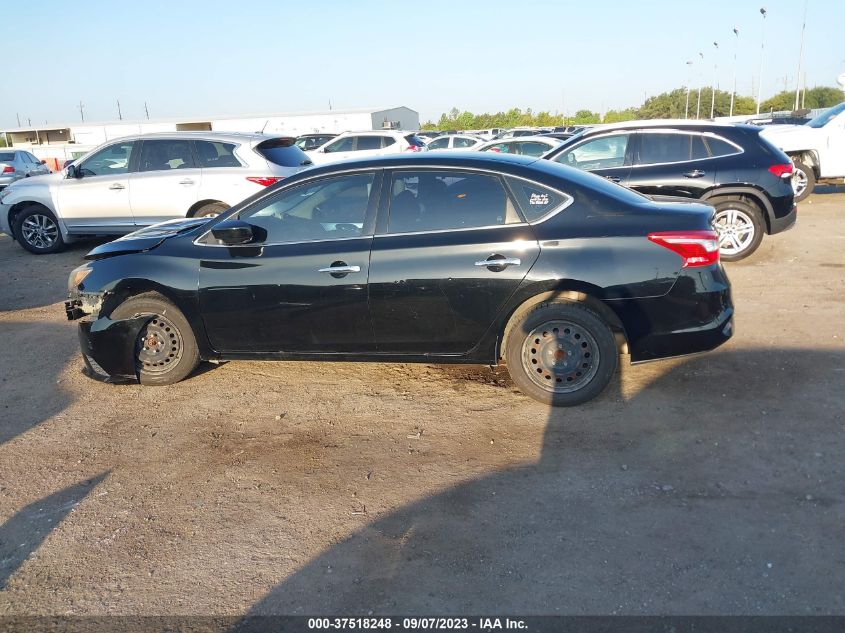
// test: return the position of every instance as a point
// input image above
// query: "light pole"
(715, 74)
(700, 81)
(800, 58)
(689, 81)
(762, 48)
(733, 90)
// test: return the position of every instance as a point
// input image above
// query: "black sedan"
(462, 258)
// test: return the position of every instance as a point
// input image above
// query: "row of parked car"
(142, 180)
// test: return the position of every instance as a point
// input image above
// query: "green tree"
(817, 97)
(616, 116)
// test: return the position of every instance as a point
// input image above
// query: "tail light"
(8, 169)
(413, 148)
(782, 170)
(264, 181)
(696, 248)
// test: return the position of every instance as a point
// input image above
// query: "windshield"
(825, 117)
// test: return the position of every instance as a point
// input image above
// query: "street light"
(689, 81)
(762, 49)
(715, 74)
(733, 90)
(700, 81)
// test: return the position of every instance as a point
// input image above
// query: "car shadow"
(688, 496)
(25, 531)
(30, 393)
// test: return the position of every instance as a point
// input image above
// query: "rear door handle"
(339, 269)
(499, 262)
(615, 179)
(117, 186)
(187, 181)
(695, 173)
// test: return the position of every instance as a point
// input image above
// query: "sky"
(208, 57)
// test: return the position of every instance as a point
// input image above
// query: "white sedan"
(455, 141)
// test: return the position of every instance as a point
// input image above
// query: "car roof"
(522, 139)
(235, 137)
(376, 132)
(685, 124)
(433, 159)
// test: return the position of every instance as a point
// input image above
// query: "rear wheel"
(166, 350)
(740, 227)
(38, 231)
(210, 210)
(803, 180)
(561, 354)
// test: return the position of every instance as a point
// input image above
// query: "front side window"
(605, 152)
(216, 154)
(330, 208)
(165, 155)
(340, 145)
(501, 148)
(463, 142)
(438, 199)
(109, 161)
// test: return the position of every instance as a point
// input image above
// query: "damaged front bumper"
(108, 347)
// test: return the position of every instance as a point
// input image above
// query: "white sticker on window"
(539, 198)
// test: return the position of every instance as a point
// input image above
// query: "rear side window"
(532, 148)
(535, 201)
(368, 142)
(437, 200)
(664, 148)
(283, 152)
(7, 156)
(340, 145)
(604, 152)
(414, 140)
(216, 154)
(463, 142)
(719, 147)
(165, 155)
(387, 141)
(439, 143)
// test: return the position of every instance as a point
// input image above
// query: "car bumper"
(778, 225)
(108, 347)
(695, 316)
(4, 219)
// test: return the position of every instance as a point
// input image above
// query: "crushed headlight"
(77, 276)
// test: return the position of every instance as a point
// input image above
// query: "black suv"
(746, 178)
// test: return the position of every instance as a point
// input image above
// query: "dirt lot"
(696, 486)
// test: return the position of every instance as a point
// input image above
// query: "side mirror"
(43, 162)
(233, 232)
(73, 172)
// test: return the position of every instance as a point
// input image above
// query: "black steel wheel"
(165, 350)
(561, 353)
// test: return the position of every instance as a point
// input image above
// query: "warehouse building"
(57, 143)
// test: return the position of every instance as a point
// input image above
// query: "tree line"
(667, 105)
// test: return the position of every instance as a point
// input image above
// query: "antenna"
(119, 114)
(19, 118)
(146, 110)
(81, 109)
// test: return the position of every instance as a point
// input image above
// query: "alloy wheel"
(799, 182)
(560, 356)
(736, 230)
(40, 231)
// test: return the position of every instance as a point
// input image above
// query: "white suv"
(365, 144)
(140, 180)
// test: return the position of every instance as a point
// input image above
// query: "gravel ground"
(705, 485)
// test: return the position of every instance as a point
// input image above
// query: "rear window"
(283, 152)
(7, 156)
(414, 140)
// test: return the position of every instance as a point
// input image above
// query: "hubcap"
(799, 181)
(159, 346)
(736, 231)
(40, 231)
(560, 356)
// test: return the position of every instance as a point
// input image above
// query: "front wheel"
(740, 227)
(803, 180)
(211, 210)
(165, 350)
(37, 230)
(561, 354)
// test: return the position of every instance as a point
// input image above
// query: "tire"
(210, 210)
(740, 226)
(37, 230)
(166, 350)
(803, 180)
(561, 353)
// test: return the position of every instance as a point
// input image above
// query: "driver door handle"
(615, 179)
(186, 181)
(500, 263)
(334, 270)
(695, 173)
(116, 186)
